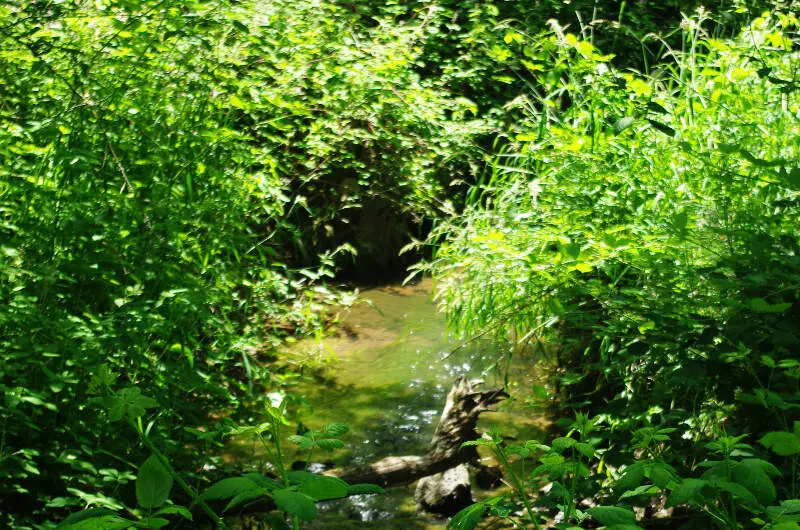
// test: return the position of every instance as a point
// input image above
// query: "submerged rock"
(444, 493)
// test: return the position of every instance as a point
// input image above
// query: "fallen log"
(457, 425)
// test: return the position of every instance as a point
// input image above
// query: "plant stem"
(177, 478)
(517, 486)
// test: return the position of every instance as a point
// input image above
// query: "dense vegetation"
(612, 187)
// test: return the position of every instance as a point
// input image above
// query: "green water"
(392, 365)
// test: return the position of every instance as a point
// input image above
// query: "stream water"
(392, 366)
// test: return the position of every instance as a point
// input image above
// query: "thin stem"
(177, 478)
(517, 486)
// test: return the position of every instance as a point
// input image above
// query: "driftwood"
(444, 493)
(456, 426)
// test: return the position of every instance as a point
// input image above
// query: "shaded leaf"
(295, 504)
(153, 484)
(613, 515)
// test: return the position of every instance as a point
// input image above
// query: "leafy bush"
(178, 181)
(645, 234)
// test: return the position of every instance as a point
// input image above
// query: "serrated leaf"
(295, 504)
(153, 484)
(560, 445)
(303, 442)
(612, 515)
(781, 443)
(329, 444)
(364, 489)
(335, 429)
(94, 518)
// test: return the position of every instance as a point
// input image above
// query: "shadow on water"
(390, 372)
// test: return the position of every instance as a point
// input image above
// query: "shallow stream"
(392, 366)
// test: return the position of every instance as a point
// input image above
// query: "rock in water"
(444, 493)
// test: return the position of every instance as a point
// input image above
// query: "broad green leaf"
(295, 504)
(228, 488)
(788, 511)
(644, 489)
(585, 449)
(560, 445)
(752, 476)
(179, 510)
(261, 480)
(613, 515)
(794, 178)
(689, 491)
(94, 518)
(153, 484)
(322, 487)
(246, 496)
(661, 475)
(631, 478)
(303, 442)
(129, 402)
(155, 522)
(760, 305)
(646, 326)
(781, 442)
(789, 525)
(738, 491)
(468, 518)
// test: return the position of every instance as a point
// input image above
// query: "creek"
(390, 368)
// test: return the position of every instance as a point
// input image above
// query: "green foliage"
(178, 182)
(643, 238)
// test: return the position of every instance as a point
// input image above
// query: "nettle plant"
(286, 496)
